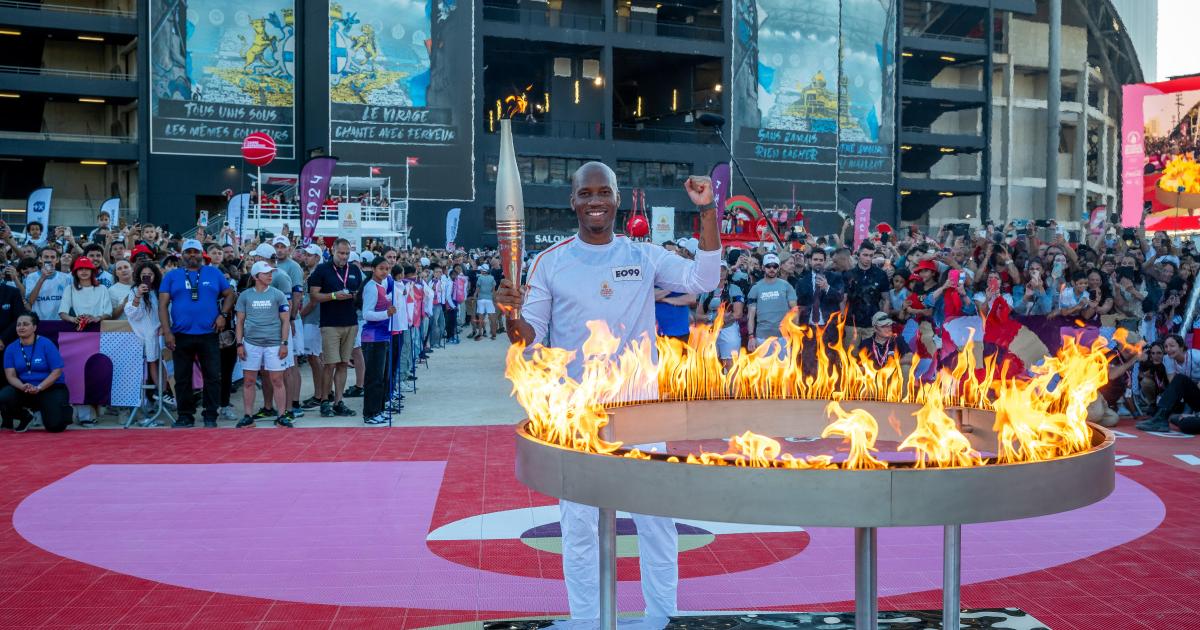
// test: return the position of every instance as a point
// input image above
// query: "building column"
(1006, 128)
(1053, 98)
(1081, 148)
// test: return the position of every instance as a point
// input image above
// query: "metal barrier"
(39, 6)
(74, 74)
(584, 130)
(543, 17)
(65, 137)
(656, 28)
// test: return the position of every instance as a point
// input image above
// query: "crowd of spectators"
(253, 311)
(1028, 275)
(260, 309)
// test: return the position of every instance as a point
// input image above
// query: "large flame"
(1037, 417)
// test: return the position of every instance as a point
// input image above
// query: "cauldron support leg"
(608, 568)
(951, 576)
(866, 579)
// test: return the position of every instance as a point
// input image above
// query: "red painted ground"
(1152, 582)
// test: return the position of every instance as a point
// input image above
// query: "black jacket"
(11, 307)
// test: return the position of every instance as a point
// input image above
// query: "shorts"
(485, 307)
(290, 360)
(151, 347)
(312, 339)
(263, 358)
(729, 341)
(337, 343)
(296, 340)
(358, 335)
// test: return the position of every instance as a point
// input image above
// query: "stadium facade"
(935, 110)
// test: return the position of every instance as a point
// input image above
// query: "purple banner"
(720, 181)
(862, 221)
(314, 187)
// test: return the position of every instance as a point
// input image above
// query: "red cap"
(883, 228)
(83, 262)
(141, 249)
(927, 264)
(914, 278)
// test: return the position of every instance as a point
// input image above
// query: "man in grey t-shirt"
(485, 308)
(262, 331)
(770, 299)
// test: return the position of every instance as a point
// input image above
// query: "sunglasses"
(771, 266)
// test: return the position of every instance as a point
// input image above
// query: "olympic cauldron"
(978, 442)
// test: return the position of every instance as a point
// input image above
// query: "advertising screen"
(813, 102)
(220, 70)
(1160, 145)
(401, 77)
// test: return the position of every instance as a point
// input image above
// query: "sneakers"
(23, 424)
(168, 400)
(354, 391)
(284, 421)
(326, 409)
(377, 419)
(246, 421)
(149, 423)
(264, 413)
(312, 403)
(297, 412)
(227, 413)
(340, 409)
(1154, 424)
(184, 422)
(210, 424)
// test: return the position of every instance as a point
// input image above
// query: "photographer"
(44, 289)
(1183, 370)
(12, 306)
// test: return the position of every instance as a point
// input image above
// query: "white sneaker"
(168, 400)
(227, 413)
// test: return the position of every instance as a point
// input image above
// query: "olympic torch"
(510, 208)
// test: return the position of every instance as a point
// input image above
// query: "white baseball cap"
(770, 259)
(690, 244)
(484, 267)
(192, 243)
(424, 261)
(368, 257)
(263, 251)
(281, 240)
(312, 249)
(261, 266)
(354, 257)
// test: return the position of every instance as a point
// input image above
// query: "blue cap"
(192, 243)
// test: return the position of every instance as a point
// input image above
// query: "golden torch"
(510, 208)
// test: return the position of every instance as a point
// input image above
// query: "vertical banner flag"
(720, 181)
(662, 219)
(314, 187)
(452, 226)
(112, 206)
(235, 212)
(37, 208)
(862, 221)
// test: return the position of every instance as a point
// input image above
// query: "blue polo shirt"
(188, 316)
(34, 363)
(672, 319)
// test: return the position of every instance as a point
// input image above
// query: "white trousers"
(658, 550)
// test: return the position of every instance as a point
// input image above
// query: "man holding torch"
(596, 275)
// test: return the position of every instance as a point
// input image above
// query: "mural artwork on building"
(813, 100)
(221, 69)
(401, 77)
